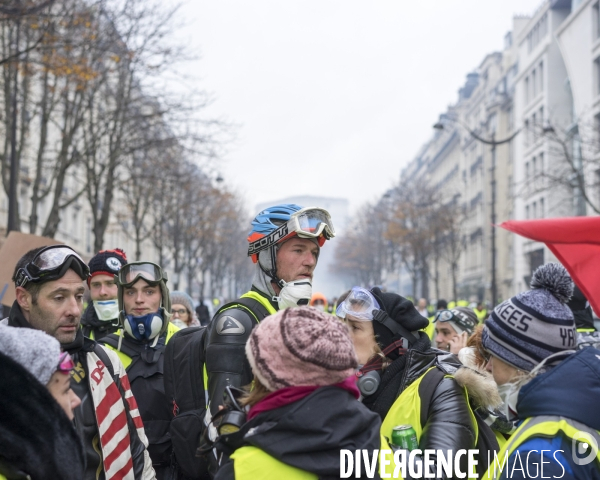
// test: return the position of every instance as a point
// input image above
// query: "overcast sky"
(334, 97)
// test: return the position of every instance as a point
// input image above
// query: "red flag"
(576, 243)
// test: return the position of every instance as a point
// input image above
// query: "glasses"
(65, 363)
(359, 303)
(181, 312)
(49, 263)
(132, 272)
(309, 222)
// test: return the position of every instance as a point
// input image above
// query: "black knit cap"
(107, 262)
(400, 310)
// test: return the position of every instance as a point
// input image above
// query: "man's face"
(444, 332)
(422, 303)
(141, 298)
(103, 287)
(58, 308)
(297, 259)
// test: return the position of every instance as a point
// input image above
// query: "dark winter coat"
(36, 437)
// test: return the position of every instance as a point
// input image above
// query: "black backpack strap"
(426, 388)
(254, 307)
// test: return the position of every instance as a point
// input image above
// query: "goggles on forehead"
(359, 304)
(51, 263)
(457, 317)
(65, 363)
(308, 222)
(132, 272)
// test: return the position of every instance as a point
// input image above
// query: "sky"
(334, 97)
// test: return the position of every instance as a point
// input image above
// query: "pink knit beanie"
(301, 347)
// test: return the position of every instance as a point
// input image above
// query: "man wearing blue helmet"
(285, 241)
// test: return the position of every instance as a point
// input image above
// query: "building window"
(534, 210)
(527, 212)
(541, 116)
(526, 90)
(527, 133)
(542, 212)
(533, 83)
(541, 76)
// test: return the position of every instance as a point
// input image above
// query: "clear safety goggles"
(309, 222)
(359, 304)
(132, 272)
(49, 264)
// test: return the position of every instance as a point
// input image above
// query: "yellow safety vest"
(542, 426)
(406, 410)
(126, 359)
(430, 329)
(251, 463)
(481, 315)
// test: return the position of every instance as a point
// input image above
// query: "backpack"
(184, 387)
(487, 443)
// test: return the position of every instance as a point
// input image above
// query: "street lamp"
(493, 143)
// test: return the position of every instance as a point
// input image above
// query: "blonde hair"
(256, 392)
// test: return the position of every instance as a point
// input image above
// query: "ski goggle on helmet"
(51, 263)
(309, 222)
(359, 304)
(147, 271)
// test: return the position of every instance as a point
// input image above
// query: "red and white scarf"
(112, 419)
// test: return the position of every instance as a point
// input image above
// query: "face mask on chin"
(106, 310)
(294, 294)
(320, 307)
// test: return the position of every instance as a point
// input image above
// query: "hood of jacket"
(309, 434)
(36, 437)
(571, 389)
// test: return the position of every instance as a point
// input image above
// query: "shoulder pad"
(233, 322)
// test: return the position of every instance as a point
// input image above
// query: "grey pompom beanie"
(35, 350)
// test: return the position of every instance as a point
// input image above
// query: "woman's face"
(179, 311)
(501, 371)
(363, 337)
(60, 388)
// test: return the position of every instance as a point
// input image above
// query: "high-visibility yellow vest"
(430, 329)
(542, 426)
(481, 314)
(126, 359)
(406, 410)
(251, 463)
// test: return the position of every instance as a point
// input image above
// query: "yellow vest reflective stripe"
(543, 426)
(406, 410)
(252, 463)
(586, 330)
(126, 359)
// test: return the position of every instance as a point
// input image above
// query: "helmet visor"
(132, 272)
(359, 304)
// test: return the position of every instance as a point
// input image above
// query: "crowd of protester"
(276, 384)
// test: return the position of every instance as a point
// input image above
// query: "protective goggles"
(310, 222)
(132, 272)
(461, 320)
(51, 263)
(65, 363)
(359, 304)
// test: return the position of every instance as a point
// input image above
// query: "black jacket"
(309, 434)
(36, 437)
(85, 415)
(95, 328)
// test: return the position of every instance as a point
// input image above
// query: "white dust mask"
(294, 294)
(106, 309)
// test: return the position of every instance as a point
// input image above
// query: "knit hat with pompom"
(533, 325)
(301, 347)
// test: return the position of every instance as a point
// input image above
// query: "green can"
(405, 437)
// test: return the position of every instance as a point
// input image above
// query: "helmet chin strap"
(272, 274)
